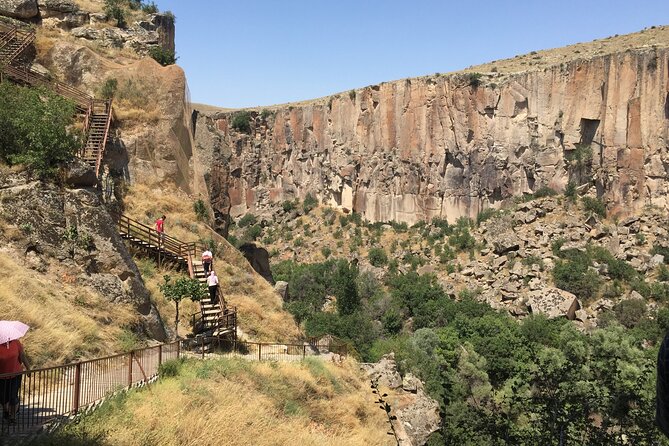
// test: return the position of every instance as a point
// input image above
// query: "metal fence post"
(304, 351)
(76, 394)
(178, 349)
(130, 358)
(202, 338)
(160, 355)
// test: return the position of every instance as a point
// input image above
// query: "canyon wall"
(451, 145)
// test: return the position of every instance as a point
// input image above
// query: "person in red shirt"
(160, 228)
(12, 361)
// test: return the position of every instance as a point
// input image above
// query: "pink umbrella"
(10, 330)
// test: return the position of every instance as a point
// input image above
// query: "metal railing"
(51, 395)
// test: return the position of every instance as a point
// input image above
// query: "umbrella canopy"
(10, 330)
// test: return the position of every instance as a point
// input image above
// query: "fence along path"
(97, 114)
(51, 395)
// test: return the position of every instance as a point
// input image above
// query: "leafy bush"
(164, 56)
(288, 205)
(200, 209)
(594, 205)
(150, 8)
(241, 121)
(247, 220)
(486, 214)
(34, 128)
(108, 89)
(377, 257)
(310, 202)
(570, 191)
(114, 10)
(474, 79)
(170, 368)
(630, 312)
(253, 232)
(326, 251)
(661, 250)
(575, 276)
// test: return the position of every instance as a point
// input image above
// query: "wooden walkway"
(97, 114)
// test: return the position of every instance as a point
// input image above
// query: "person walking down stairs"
(212, 284)
(207, 258)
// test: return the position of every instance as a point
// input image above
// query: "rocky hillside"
(452, 145)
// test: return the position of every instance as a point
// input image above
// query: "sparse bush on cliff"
(474, 79)
(241, 121)
(594, 205)
(108, 89)
(246, 220)
(115, 10)
(288, 205)
(163, 56)
(310, 202)
(200, 209)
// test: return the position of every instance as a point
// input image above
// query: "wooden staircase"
(97, 124)
(216, 319)
(97, 113)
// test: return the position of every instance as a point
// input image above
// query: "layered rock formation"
(453, 145)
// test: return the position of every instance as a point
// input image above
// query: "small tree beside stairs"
(179, 289)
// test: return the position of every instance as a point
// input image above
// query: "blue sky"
(247, 53)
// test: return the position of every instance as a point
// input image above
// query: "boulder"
(501, 236)
(281, 288)
(384, 372)
(554, 302)
(80, 174)
(54, 8)
(19, 9)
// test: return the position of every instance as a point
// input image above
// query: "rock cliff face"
(453, 145)
(70, 229)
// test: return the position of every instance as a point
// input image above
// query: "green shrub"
(288, 205)
(253, 232)
(150, 8)
(115, 11)
(594, 205)
(576, 277)
(474, 79)
(661, 250)
(310, 202)
(164, 56)
(241, 121)
(200, 209)
(108, 89)
(570, 191)
(663, 274)
(486, 214)
(326, 251)
(377, 257)
(544, 191)
(170, 368)
(630, 312)
(247, 220)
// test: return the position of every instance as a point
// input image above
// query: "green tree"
(35, 128)
(348, 299)
(164, 56)
(377, 257)
(179, 289)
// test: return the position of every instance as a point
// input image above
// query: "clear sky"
(246, 53)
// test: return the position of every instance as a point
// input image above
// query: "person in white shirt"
(212, 283)
(207, 258)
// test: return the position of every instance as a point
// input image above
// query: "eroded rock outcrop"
(452, 145)
(417, 413)
(71, 229)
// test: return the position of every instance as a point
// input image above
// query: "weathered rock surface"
(20, 9)
(554, 302)
(72, 227)
(258, 257)
(417, 413)
(442, 146)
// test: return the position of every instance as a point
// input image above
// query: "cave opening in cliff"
(588, 130)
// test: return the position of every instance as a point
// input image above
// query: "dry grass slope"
(68, 321)
(261, 315)
(234, 402)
